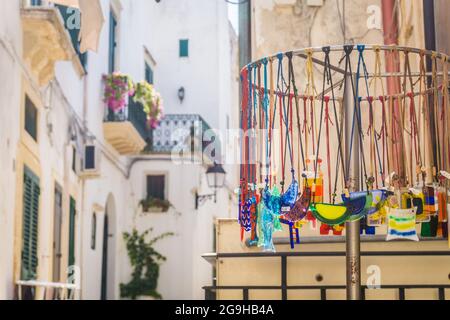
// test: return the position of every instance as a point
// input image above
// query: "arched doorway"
(108, 252)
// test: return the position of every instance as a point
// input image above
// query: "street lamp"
(181, 94)
(215, 176)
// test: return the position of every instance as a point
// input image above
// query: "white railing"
(38, 290)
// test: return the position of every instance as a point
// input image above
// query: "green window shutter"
(184, 48)
(112, 42)
(72, 232)
(148, 74)
(31, 194)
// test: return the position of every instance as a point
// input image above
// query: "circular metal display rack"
(374, 117)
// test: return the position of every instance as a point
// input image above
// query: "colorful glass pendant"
(379, 198)
(330, 214)
(359, 207)
(245, 220)
(267, 230)
(410, 200)
(290, 196)
(402, 224)
(272, 200)
(300, 209)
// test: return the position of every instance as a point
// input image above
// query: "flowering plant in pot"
(151, 101)
(118, 87)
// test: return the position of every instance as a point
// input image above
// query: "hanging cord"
(340, 157)
(383, 133)
(444, 111)
(328, 121)
(409, 159)
(296, 98)
(326, 51)
(422, 110)
(311, 93)
(358, 99)
(285, 115)
(356, 116)
(445, 107)
(426, 118)
(374, 148)
(328, 79)
(266, 123)
(249, 126)
(276, 100)
(279, 97)
(370, 133)
(244, 151)
(384, 136)
(290, 114)
(339, 128)
(287, 123)
(261, 95)
(305, 124)
(415, 138)
(435, 110)
(393, 132)
(271, 120)
(253, 123)
(348, 49)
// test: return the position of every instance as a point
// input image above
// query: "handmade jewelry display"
(370, 146)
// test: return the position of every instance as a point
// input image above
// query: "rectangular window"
(31, 194)
(31, 115)
(94, 231)
(148, 73)
(184, 48)
(74, 159)
(156, 187)
(112, 41)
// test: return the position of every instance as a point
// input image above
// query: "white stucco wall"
(10, 50)
(207, 78)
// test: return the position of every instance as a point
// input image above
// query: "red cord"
(312, 124)
(281, 136)
(383, 133)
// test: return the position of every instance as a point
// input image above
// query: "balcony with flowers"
(132, 111)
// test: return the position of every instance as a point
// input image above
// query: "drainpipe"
(430, 44)
(83, 187)
(390, 35)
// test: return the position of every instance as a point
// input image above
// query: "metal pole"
(352, 229)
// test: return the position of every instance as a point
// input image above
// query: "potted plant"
(155, 205)
(118, 88)
(151, 101)
(145, 261)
